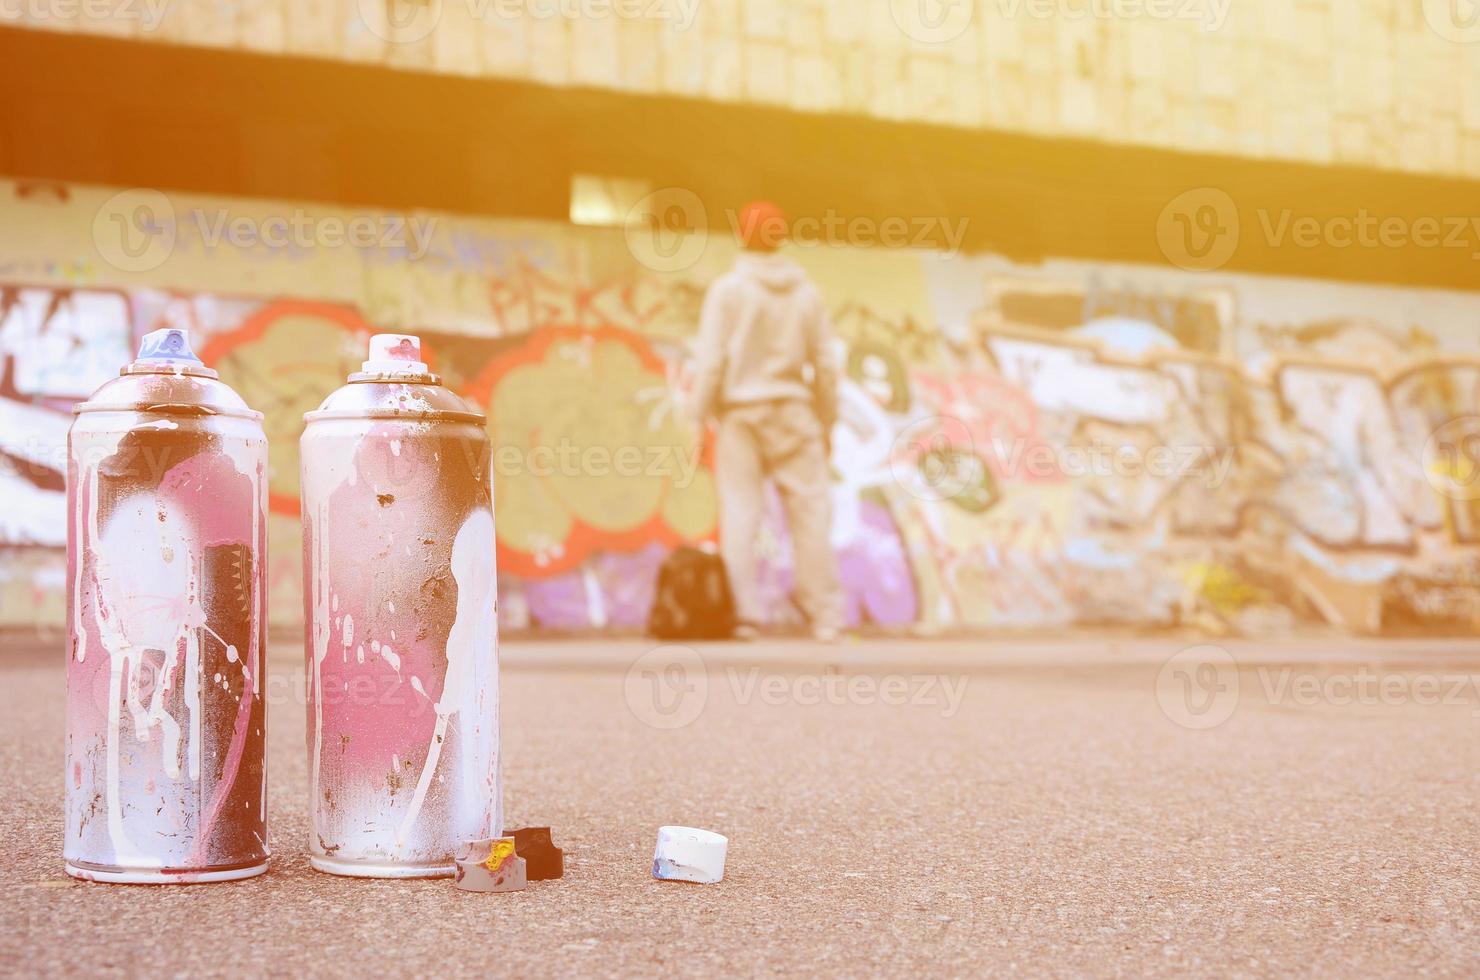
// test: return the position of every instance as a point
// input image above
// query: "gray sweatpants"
(782, 441)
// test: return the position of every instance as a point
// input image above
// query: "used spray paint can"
(167, 498)
(401, 633)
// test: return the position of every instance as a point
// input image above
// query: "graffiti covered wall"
(1020, 447)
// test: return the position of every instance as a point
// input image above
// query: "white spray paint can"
(401, 638)
(167, 539)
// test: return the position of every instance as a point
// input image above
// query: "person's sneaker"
(745, 632)
(827, 634)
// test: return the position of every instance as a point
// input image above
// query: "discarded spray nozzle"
(491, 866)
(690, 854)
(543, 860)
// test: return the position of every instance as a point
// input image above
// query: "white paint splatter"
(470, 686)
(153, 606)
(390, 657)
(319, 626)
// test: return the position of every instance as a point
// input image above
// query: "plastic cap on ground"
(543, 860)
(690, 854)
(490, 866)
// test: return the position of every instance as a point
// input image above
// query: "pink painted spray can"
(401, 634)
(167, 495)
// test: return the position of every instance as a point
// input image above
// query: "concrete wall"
(1270, 432)
(1377, 83)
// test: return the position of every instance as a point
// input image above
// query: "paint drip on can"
(167, 539)
(401, 634)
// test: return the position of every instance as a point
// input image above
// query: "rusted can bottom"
(364, 869)
(162, 876)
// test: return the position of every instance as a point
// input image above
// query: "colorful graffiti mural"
(1017, 448)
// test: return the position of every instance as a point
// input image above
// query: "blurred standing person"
(766, 375)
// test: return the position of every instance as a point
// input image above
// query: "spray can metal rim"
(404, 414)
(168, 408)
(417, 398)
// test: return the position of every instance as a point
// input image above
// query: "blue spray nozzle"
(171, 346)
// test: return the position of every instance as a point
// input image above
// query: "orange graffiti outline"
(255, 326)
(584, 541)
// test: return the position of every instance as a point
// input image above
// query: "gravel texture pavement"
(893, 807)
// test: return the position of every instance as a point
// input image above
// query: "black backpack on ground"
(693, 599)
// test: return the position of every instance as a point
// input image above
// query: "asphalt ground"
(1041, 808)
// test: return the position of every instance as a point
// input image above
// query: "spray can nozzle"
(395, 353)
(168, 346)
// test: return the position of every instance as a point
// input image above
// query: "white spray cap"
(168, 346)
(395, 353)
(690, 854)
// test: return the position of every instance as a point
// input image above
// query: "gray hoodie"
(764, 336)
